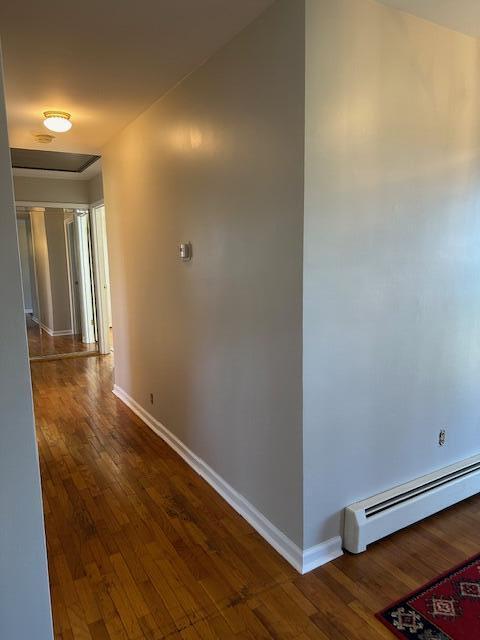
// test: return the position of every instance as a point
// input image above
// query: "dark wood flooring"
(139, 546)
(40, 343)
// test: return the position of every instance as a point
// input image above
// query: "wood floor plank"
(140, 547)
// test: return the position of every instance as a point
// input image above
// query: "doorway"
(58, 280)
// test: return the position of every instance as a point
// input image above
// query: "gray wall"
(52, 268)
(31, 264)
(95, 188)
(24, 594)
(219, 162)
(42, 269)
(392, 260)
(40, 190)
(58, 267)
(24, 248)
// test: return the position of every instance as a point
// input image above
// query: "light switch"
(185, 250)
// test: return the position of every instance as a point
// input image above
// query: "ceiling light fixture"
(58, 121)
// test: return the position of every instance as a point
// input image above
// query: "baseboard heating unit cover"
(392, 510)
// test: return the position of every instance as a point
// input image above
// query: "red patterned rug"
(448, 608)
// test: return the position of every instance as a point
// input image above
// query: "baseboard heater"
(392, 510)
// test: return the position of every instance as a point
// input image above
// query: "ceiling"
(459, 15)
(104, 61)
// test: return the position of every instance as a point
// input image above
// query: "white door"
(102, 278)
(87, 305)
(73, 276)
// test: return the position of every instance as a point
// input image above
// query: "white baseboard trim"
(302, 561)
(54, 334)
(322, 553)
(65, 332)
(46, 329)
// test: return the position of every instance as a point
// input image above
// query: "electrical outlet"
(151, 398)
(442, 438)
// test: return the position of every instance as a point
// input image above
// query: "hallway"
(139, 546)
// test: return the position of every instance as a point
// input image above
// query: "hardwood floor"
(40, 343)
(139, 546)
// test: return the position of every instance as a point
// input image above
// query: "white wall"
(391, 296)
(219, 162)
(392, 260)
(24, 592)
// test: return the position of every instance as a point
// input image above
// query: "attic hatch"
(51, 160)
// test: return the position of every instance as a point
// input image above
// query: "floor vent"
(387, 512)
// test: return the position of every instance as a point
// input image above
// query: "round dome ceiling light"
(58, 121)
(44, 138)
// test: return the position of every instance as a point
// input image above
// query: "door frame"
(74, 208)
(38, 317)
(67, 223)
(99, 240)
(84, 264)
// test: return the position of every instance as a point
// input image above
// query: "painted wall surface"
(24, 592)
(23, 246)
(51, 268)
(95, 189)
(31, 264)
(39, 190)
(392, 260)
(42, 269)
(58, 267)
(219, 162)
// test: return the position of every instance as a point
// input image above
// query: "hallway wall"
(24, 590)
(25, 258)
(95, 189)
(57, 258)
(218, 341)
(392, 260)
(40, 190)
(42, 267)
